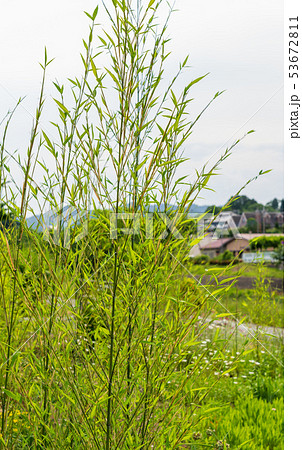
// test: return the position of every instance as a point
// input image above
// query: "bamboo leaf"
(62, 107)
(95, 13)
(15, 396)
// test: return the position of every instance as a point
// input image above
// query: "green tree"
(242, 203)
(252, 225)
(275, 204)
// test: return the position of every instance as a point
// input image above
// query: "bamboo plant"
(100, 346)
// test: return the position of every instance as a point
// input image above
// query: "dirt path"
(245, 329)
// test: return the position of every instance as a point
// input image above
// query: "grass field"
(241, 269)
(250, 396)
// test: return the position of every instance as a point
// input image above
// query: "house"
(213, 246)
(261, 220)
(210, 246)
(242, 241)
(273, 220)
(252, 219)
(238, 244)
(223, 223)
(256, 221)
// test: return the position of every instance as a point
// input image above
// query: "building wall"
(211, 253)
(237, 245)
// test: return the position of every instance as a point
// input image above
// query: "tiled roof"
(214, 243)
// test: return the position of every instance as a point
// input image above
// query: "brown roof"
(215, 243)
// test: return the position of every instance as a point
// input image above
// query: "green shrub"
(266, 242)
(250, 423)
(268, 388)
(226, 256)
(279, 254)
(202, 259)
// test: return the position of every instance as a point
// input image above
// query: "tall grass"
(97, 336)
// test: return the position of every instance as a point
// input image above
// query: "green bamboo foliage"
(100, 345)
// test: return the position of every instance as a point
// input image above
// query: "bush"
(226, 256)
(268, 388)
(266, 242)
(279, 254)
(251, 421)
(202, 259)
(226, 262)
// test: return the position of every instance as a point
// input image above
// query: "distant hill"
(51, 219)
(193, 209)
(198, 208)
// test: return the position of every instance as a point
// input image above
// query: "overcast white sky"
(239, 42)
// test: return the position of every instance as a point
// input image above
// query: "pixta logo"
(59, 225)
(132, 224)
